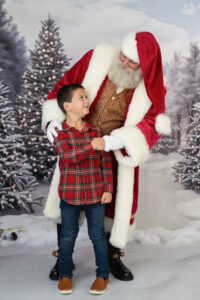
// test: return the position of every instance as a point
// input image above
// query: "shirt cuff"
(108, 188)
(88, 148)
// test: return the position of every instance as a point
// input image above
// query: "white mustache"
(124, 77)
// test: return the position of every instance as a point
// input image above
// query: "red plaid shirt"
(84, 173)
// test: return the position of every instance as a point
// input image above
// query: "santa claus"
(127, 94)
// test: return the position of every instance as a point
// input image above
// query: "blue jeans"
(95, 219)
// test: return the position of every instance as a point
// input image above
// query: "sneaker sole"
(65, 292)
(95, 292)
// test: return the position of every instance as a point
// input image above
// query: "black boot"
(54, 273)
(117, 268)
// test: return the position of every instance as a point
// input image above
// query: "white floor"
(161, 272)
(164, 255)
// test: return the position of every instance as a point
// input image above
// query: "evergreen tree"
(165, 145)
(16, 180)
(173, 99)
(13, 58)
(187, 171)
(190, 79)
(48, 65)
(183, 79)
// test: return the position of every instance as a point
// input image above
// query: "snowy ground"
(164, 255)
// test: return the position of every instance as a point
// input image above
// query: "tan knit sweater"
(110, 109)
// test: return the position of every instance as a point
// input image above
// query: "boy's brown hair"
(66, 93)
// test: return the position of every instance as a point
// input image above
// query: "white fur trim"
(123, 206)
(133, 138)
(140, 105)
(51, 111)
(138, 149)
(135, 144)
(108, 223)
(163, 125)
(129, 47)
(131, 230)
(52, 204)
(99, 66)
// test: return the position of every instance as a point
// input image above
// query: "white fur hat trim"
(129, 47)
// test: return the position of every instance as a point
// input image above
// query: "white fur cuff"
(51, 111)
(117, 242)
(135, 144)
(112, 143)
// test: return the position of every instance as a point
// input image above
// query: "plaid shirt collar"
(87, 127)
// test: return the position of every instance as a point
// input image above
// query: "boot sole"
(121, 278)
(95, 292)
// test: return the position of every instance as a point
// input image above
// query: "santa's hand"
(51, 132)
(112, 143)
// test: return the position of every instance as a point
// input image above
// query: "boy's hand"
(106, 197)
(98, 144)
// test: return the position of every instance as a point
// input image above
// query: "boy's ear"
(66, 106)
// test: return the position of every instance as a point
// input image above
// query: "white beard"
(124, 78)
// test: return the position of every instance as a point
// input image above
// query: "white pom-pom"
(163, 124)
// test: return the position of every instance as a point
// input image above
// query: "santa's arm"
(50, 108)
(139, 139)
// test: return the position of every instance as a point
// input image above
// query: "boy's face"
(79, 106)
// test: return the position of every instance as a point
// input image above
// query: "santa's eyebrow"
(133, 62)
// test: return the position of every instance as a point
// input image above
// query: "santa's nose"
(125, 63)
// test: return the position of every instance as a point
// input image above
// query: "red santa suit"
(143, 122)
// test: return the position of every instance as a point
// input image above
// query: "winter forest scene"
(39, 42)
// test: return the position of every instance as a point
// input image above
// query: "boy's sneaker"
(65, 286)
(99, 286)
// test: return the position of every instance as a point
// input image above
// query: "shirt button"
(113, 97)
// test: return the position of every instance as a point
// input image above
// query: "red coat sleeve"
(73, 75)
(147, 126)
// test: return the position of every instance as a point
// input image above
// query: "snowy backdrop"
(39, 41)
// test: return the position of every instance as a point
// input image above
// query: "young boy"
(85, 182)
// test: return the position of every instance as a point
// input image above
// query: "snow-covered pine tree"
(16, 180)
(48, 65)
(13, 58)
(165, 145)
(187, 171)
(190, 79)
(174, 103)
(183, 79)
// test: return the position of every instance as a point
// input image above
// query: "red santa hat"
(142, 48)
